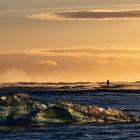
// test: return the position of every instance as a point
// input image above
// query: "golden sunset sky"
(69, 40)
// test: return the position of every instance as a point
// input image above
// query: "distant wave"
(102, 86)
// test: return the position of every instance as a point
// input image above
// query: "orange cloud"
(47, 62)
(88, 52)
(89, 15)
(92, 64)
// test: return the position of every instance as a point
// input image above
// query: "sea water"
(129, 101)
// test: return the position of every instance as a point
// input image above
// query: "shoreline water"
(125, 99)
(79, 87)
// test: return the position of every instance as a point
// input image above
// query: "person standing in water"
(108, 82)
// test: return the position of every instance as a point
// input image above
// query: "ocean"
(128, 100)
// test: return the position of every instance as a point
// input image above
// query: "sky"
(70, 41)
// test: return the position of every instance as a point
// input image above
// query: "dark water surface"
(94, 131)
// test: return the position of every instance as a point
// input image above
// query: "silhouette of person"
(108, 83)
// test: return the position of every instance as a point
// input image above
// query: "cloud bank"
(47, 62)
(88, 52)
(73, 64)
(88, 15)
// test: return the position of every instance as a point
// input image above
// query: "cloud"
(89, 15)
(47, 62)
(88, 52)
(73, 64)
